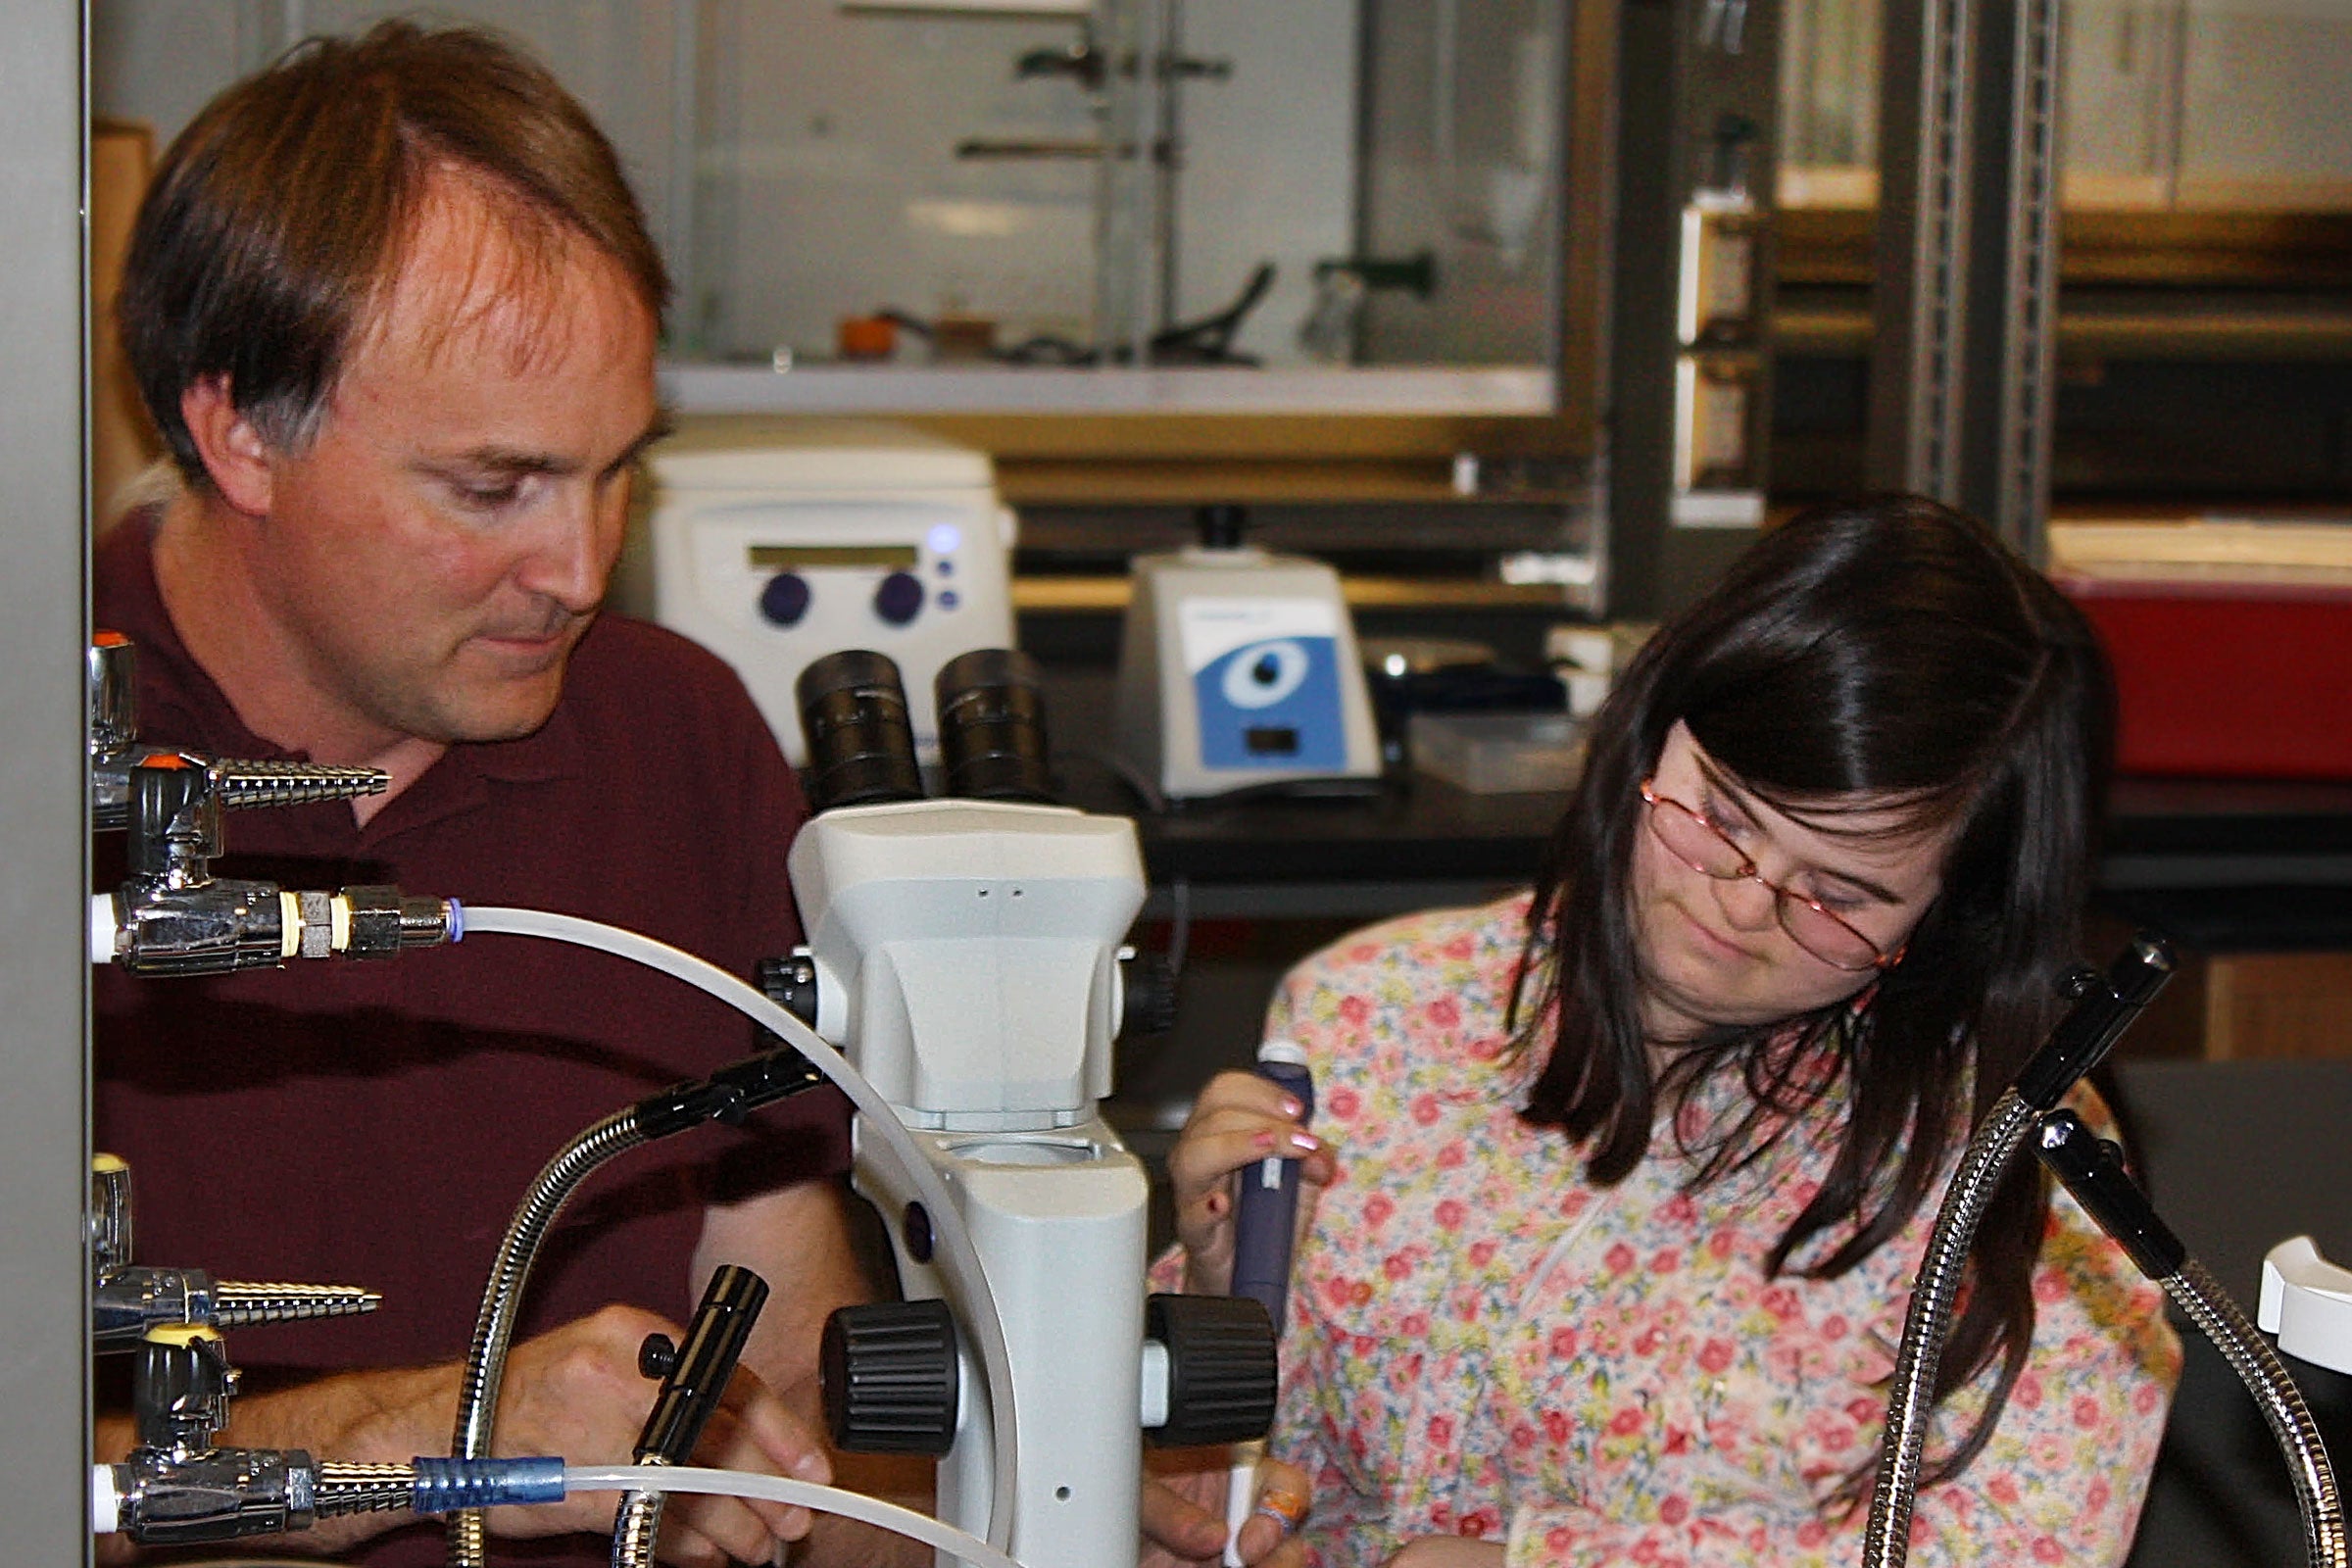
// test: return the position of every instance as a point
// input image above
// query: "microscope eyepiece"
(861, 741)
(991, 726)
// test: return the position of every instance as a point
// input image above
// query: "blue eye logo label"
(1264, 673)
(1265, 676)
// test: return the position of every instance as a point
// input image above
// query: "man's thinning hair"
(278, 219)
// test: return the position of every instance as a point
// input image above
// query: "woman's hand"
(1184, 1510)
(1239, 1120)
(1448, 1551)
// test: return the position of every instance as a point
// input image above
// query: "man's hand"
(576, 1391)
(1183, 1512)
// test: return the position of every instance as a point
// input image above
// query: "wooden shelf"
(2209, 248)
(2321, 330)
(1109, 594)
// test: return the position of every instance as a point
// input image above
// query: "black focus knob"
(1149, 988)
(899, 598)
(791, 984)
(887, 1372)
(1223, 1372)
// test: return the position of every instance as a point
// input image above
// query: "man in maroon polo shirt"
(395, 311)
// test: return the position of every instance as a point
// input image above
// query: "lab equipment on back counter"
(776, 542)
(1240, 669)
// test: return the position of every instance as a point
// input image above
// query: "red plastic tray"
(2231, 680)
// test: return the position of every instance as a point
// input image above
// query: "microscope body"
(967, 962)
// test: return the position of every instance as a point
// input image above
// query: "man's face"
(438, 548)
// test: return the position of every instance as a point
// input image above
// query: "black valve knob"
(168, 812)
(1223, 1372)
(1221, 526)
(785, 599)
(887, 1372)
(899, 598)
(656, 1356)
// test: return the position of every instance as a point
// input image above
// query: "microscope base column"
(1058, 1220)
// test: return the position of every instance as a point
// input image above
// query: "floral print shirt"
(1482, 1343)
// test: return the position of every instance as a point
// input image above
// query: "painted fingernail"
(1291, 1106)
(1305, 1140)
(1262, 1140)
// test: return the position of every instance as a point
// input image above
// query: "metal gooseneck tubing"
(2092, 1169)
(2199, 1296)
(502, 1299)
(1887, 1541)
(2104, 1007)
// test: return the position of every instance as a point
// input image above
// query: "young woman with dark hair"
(1623, 1183)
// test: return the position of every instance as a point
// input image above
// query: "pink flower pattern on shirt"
(1482, 1343)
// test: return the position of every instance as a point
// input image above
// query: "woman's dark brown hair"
(1894, 650)
(278, 218)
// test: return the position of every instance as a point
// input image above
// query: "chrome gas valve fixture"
(178, 1485)
(171, 917)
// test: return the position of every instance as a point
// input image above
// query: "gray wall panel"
(44, 1448)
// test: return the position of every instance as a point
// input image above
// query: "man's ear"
(235, 455)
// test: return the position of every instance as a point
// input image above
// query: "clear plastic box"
(1497, 753)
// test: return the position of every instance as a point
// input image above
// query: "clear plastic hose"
(889, 1516)
(960, 1259)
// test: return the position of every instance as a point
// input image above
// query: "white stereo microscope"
(965, 957)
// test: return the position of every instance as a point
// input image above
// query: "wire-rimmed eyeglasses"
(1690, 838)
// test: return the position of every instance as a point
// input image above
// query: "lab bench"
(2221, 865)
(2251, 878)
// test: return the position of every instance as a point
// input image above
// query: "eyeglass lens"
(1698, 844)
